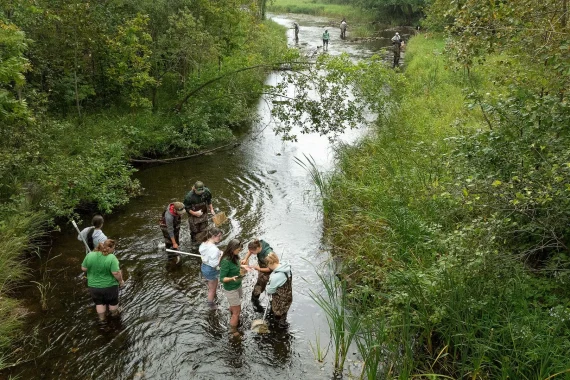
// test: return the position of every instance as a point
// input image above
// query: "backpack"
(90, 238)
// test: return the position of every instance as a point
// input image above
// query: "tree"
(130, 61)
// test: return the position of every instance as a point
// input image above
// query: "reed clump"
(20, 231)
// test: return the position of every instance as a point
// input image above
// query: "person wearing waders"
(343, 26)
(397, 46)
(170, 227)
(326, 38)
(296, 27)
(261, 249)
(93, 235)
(198, 202)
(280, 289)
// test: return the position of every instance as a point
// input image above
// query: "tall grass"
(343, 325)
(20, 230)
(451, 302)
(318, 178)
(319, 352)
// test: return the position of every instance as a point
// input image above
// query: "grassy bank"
(438, 258)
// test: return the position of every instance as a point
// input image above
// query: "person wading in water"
(93, 235)
(170, 226)
(261, 249)
(231, 279)
(103, 278)
(296, 27)
(343, 26)
(198, 202)
(280, 288)
(326, 38)
(211, 256)
(397, 42)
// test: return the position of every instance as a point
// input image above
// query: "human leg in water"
(262, 279)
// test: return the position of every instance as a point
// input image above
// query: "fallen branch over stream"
(167, 160)
(278, 66)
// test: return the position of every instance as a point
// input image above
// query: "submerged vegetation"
(452, 219)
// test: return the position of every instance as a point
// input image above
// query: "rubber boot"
(256, 304)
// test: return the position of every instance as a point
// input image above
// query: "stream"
(166, 330)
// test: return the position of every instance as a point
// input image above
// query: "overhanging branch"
(272, 67)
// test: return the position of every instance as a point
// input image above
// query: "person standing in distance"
(296, 27)
(343, 26)
(93, 235)
(198, 202)
(397, 42)
(326, 38)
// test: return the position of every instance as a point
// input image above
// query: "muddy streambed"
(166, 330)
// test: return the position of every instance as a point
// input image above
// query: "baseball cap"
(179, 207)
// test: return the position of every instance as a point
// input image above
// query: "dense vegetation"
(85, 86)
(452, 220)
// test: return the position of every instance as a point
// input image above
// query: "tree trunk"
(75, 79)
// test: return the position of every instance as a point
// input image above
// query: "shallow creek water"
(165, 330)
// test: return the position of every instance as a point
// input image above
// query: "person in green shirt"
(103, 278)
(231, 279)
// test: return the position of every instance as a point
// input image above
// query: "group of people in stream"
(397, 41)
(104, 276)
(326, 35)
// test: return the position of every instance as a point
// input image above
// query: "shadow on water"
(166, 330)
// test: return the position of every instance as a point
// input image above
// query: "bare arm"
(118, 276)
(83, 269)
(246, 259)
(260, 269)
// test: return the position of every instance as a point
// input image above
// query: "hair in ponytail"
(106, 247)
(210, 233)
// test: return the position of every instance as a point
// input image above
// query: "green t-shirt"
(99, 269)
(229, 269)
